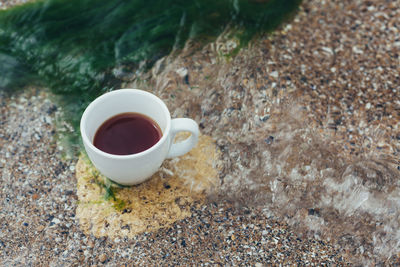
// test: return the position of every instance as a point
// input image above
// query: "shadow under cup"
(133, 168)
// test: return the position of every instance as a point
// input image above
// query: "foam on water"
(303, 177)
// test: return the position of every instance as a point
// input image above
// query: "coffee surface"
(127, 133)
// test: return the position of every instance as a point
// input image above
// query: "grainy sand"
(338, 62)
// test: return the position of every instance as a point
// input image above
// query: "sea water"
(83, 48)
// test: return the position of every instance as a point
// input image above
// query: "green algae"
(110, 190)
(83, 48)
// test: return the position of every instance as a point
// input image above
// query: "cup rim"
(93, 104)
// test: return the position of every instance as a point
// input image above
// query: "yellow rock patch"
(106, 209)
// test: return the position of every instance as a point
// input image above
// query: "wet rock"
(152, 205)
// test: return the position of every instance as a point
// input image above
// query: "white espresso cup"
(135, 168)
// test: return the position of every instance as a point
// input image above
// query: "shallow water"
(276, 158)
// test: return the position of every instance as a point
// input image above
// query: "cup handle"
(183, 125)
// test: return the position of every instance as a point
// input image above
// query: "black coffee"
(127, 133)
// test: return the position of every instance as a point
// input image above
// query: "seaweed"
(83, 48)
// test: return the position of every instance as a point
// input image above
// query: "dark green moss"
(110, 189)
(83, 48)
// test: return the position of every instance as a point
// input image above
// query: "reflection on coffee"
(127, 133)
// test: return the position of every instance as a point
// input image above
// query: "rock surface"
(106, 209)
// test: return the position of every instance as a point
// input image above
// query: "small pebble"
(274, 74)
(269, 140)
(40, 228)
(102, 258)
(182, 72)
(90, 244)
